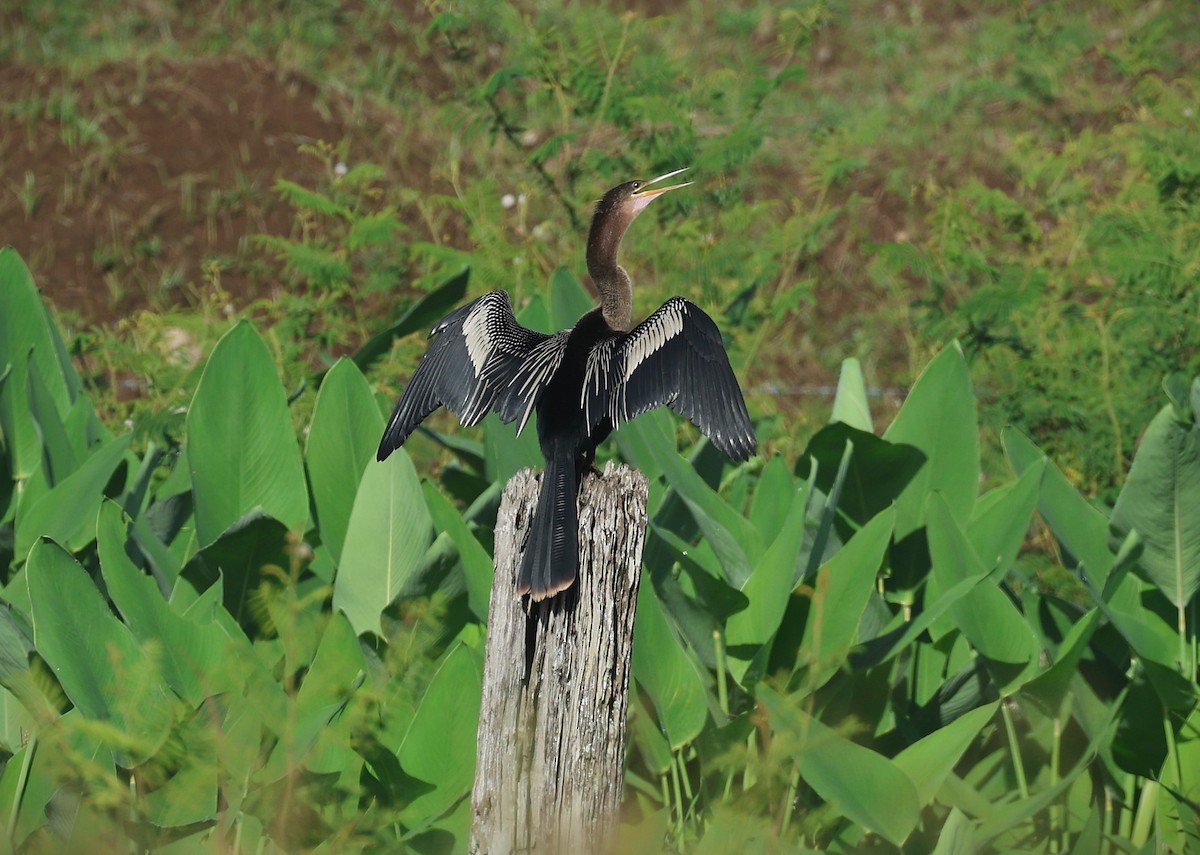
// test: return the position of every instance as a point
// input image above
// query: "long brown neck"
(612, 282)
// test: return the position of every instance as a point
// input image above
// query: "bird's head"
(631, 198)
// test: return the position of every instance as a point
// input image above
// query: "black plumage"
(583, 383)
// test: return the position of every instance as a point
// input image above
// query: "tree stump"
(551, 743)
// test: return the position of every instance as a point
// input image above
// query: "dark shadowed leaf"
(877, 474)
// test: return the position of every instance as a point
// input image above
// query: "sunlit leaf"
(386, 539)
(342, 439)
(242, 447)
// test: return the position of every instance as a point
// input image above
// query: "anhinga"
(582, 382)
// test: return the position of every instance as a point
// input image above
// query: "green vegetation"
(982, 602)
(241, 643)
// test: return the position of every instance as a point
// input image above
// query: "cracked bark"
(551, 740)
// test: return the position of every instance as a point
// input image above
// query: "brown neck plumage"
(612, 282)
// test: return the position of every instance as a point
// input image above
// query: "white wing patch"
(657, 331)
(536, 370)
(595, 377)
(477, 337)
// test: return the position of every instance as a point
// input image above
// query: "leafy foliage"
(243, 644)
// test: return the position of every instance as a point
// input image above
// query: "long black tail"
(551, 559)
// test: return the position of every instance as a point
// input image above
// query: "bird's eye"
(636, 185)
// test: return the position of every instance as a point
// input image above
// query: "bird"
(582, 383)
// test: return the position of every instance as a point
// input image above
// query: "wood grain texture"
(551, 743)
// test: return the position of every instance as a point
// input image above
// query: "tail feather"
(551, 559)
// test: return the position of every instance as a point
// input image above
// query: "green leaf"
(67, 513)
(1002, 517)
(569, 300)
(439, 747)
(29, 342)
(938, 418)
(342, 438)
(476, 563)
(985, 615)
(1080, 528)
(878, 471)
(850, 404)
(840, 593)
(108, 675)
(730, 534)
(302, 197)
(767, 590)
(389, 531)
(667, 672)
(929, 760)
(190, 654)
(337, 671)
(865, 787)
(241, 444)
(1161, 499)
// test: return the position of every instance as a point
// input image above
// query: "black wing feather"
(475, 353)
(676, 358)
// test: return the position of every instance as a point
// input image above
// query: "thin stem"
(722, 691)
(1014, 749)
(790, 800)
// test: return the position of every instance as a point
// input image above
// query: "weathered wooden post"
(550, 758)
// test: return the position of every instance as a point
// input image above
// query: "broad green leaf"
(342, 439)
(439, 747)
(772, 498)
(767, 590)
(59, 455)
(664, 668)
(1002, 517)
(1048, 688)
(840, 593)
(67, 514)
(191, 654)
(850, 404)
(730, 534)
(929, 760)
(108, 675)
(476, 563)
(938, 418)
(985, 615)
(1161, 500)
(189, 796)
(865, 787)
(337, 671)
(958, 835)
(1080, 528)
(241, 444)
(569, 300)
(505, 453)
(29, 342)
(389, 531)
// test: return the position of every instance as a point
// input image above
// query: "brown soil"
(163, 167)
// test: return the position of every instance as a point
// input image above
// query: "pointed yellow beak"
(646, 194)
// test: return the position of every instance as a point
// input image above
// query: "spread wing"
(675, 357)
(470, 367)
